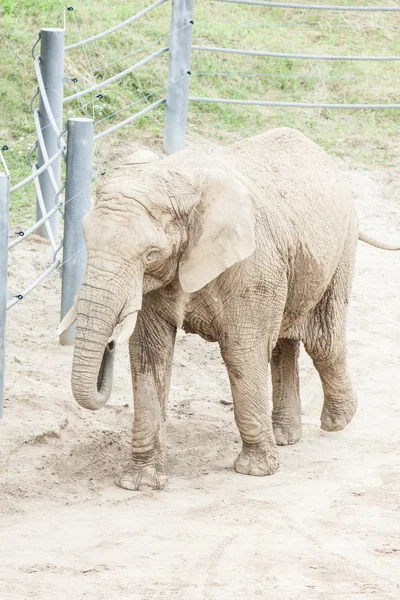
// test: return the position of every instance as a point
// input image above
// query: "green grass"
(367, 138)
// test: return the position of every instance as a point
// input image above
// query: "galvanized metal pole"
(4, 203)
(77, 203)
(52, 68)
(178, 75)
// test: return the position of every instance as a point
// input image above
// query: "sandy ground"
(325, 527)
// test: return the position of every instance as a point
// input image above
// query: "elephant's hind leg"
(340, 400)
(248, 375)
(286, 413)
(326, 341)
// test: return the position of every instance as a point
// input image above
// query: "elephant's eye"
(152, 255)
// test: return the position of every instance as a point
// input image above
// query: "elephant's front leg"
(151, 350)
(248, 375)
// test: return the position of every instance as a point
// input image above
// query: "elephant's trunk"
(93, 362)
(90, 391)
(103, 302)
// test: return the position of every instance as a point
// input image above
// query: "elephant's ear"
(221, 232)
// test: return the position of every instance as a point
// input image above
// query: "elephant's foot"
(337, 414)
(286, 433)
(287, 428)
(139, 476)
(258, 461)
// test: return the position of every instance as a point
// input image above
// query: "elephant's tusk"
(128, 327)
(67, 321)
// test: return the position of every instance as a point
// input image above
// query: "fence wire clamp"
(33, 100)
(55, 256)
(35, 44)
(60, 191)
(61, 142)
(31, 153)
(56, 198)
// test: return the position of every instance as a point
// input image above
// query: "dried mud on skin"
(325, 527)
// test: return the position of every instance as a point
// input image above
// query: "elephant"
(251, 246)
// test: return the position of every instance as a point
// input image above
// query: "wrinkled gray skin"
(252, 247)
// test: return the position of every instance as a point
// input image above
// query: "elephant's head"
(147, 228)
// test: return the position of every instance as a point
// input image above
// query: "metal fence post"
(77, 203)
(180, 45)
(52, 68)
(4, 203)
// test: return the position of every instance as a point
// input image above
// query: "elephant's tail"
(364, 237)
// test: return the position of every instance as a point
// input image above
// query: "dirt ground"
(325, 527)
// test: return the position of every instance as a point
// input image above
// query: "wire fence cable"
(292, 75)
(292, 104)
(46, 102)
(130, 119)
(356, 27)
(99, 36)
(42, 205)
(117, 77)
(140, 49)
(33, 285)
(48, 161)
(313, 6)
(36, 225)
(287, 55)
(39, 171)
(43, 149)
